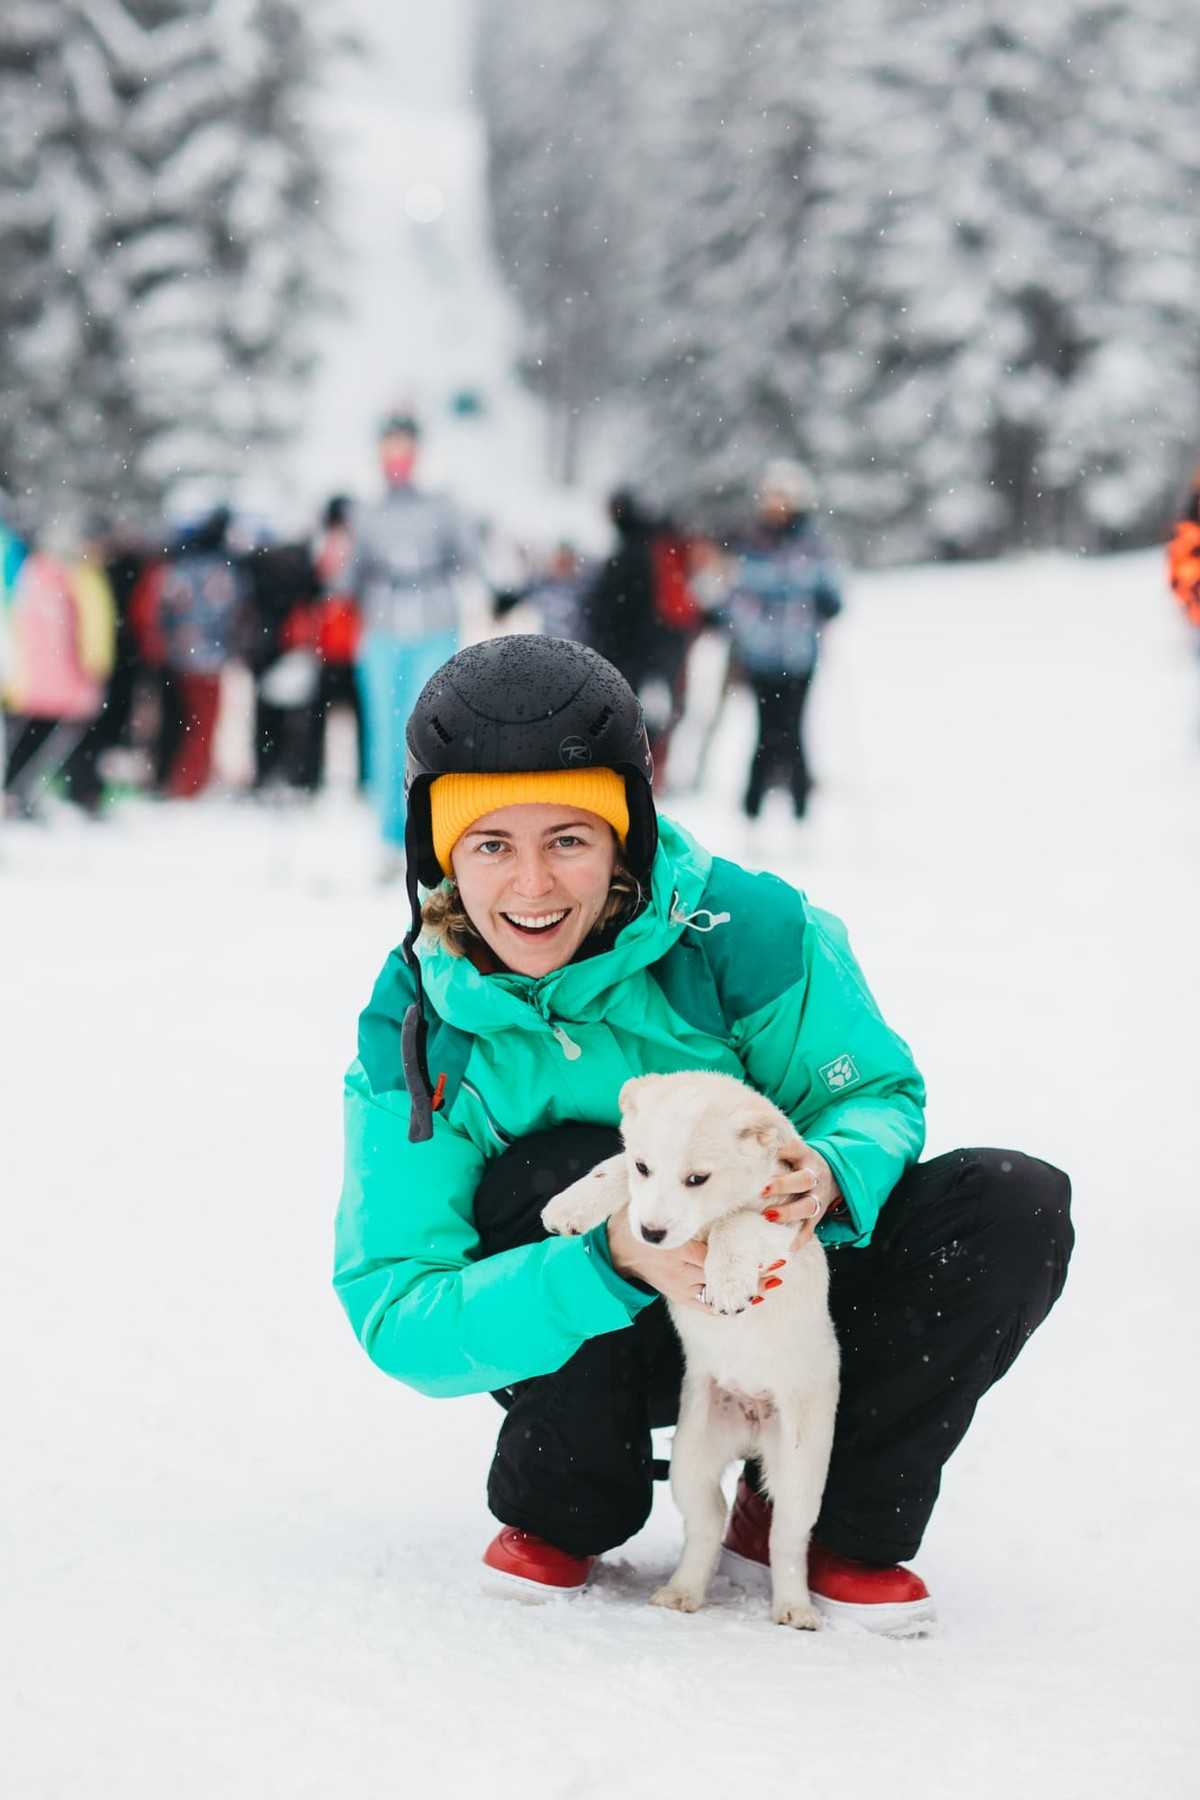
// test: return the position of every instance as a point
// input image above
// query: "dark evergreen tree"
(159, 220)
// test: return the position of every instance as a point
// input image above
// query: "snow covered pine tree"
(160, 239)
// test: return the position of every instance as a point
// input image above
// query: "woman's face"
(534, 879)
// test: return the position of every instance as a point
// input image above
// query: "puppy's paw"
(677, 1599)
(567, 1215)
(801, 1614)
(588, 1201)
(730, 1283)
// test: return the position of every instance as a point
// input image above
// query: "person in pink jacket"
(60, 654)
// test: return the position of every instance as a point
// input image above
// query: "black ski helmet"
(523, 703)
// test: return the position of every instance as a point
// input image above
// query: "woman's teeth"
(536, 921)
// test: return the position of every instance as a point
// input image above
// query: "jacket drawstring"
(678, 917)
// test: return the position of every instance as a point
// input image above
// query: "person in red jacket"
(338, 630)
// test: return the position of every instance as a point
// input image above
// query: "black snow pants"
(968, 1256)
(779, 753)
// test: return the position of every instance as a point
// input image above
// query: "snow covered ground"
(237, 1561)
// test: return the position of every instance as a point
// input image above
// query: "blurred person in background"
(556, 595)
(125, 555)
(627, 614)
(783, 588)
(680, 619)
(200, 601)
(339, 630)
(411, 550)
(60, 654)
(1183, 555)
(80, 772)
(12, 555)
(158, 679)
(280, 647)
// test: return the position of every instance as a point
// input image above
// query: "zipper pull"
(567, 1045)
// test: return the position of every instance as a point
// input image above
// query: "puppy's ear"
(633, 1093)
(756, 1118)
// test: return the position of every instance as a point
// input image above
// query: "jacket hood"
(463, 997)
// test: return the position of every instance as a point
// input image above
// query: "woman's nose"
(533, 877)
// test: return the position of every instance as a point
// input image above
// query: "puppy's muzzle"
(653, 1234)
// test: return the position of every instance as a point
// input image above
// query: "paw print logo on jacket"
(840, 1073)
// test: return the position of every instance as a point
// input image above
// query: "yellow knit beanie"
(456, 801)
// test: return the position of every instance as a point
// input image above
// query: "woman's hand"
(679, 1274)
(802, 1192)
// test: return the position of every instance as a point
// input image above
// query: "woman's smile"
(535, 924)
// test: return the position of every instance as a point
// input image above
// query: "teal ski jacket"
(724, 969)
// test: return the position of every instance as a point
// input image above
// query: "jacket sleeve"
(428, 1307)
(829, 593)
(821, 1050)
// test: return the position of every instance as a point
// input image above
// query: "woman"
(62, 629)
(571, 940)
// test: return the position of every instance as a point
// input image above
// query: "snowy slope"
(422, 314)
(238, 1562)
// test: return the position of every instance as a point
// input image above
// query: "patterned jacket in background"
(785, 587)
(200, 608)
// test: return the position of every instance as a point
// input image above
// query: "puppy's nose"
(653, 1236)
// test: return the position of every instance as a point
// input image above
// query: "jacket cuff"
(635, 1295)
(837, 1229)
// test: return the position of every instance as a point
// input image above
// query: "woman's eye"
(695, 1181)
(641, 1168)
(568, 842)
(489, 844)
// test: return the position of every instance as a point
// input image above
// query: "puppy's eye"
(641, 1168)
(695, 1181)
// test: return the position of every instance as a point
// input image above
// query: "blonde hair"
(445, 920)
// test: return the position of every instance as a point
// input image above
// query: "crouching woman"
(571, 939)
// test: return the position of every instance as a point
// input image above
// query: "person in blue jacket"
(784, 589)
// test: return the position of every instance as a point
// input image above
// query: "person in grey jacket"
(410, 550)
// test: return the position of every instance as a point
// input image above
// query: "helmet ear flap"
(418, 832)
(642, 841)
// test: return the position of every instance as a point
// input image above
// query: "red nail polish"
(781, 1264)
(771, 1214)
(774, 1282)
(757, 1300)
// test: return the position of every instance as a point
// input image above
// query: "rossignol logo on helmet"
(840, 1073)
(573, 752)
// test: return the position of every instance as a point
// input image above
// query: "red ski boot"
(529, 1564)
(891, 1600)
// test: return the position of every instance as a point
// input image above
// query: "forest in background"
(949, 255)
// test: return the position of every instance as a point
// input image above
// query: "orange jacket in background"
(1183, 567)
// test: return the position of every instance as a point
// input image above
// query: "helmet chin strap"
(415, 1029)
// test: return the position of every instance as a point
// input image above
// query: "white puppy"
(759, 1381)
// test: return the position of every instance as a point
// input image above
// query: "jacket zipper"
(501, 1137)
